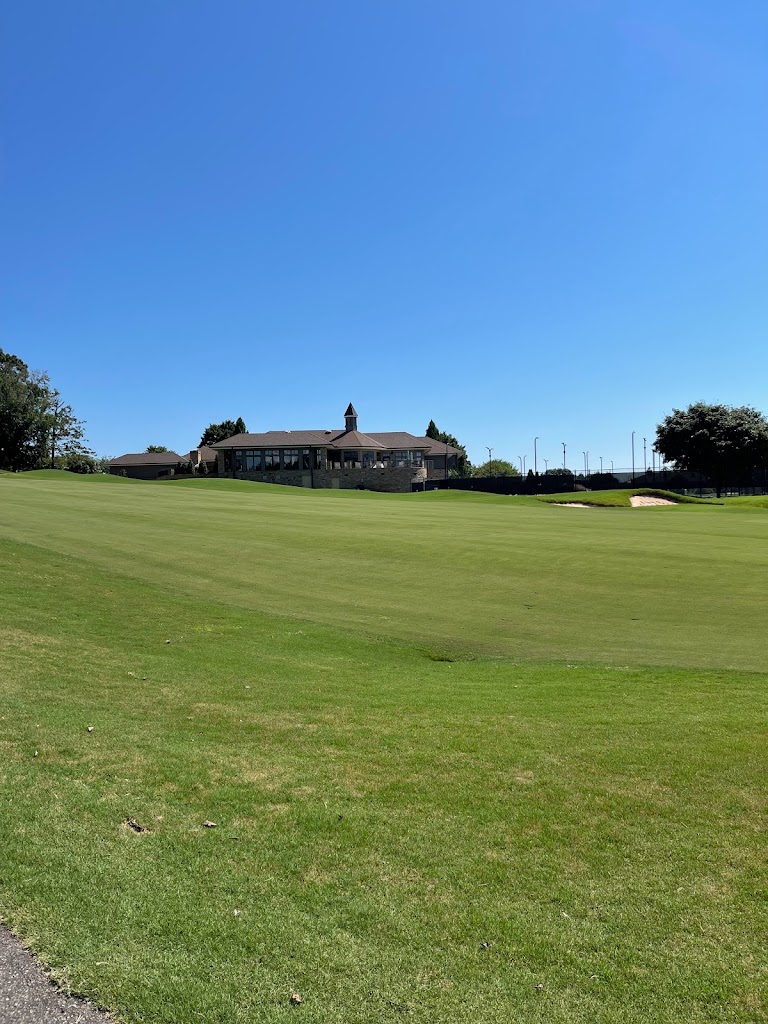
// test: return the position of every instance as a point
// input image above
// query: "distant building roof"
(399, 439)
(148, 459)
(331, 439)
(386, 441)
(354, 439)
(207, 454)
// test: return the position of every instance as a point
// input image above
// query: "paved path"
(28, 996)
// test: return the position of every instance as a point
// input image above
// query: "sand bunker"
(640, 500)
(571, 504)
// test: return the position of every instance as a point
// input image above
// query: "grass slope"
(494, 576)
(404, 837)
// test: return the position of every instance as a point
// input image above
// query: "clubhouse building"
(389, 461)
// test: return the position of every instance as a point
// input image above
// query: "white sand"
(571, 504)
(641, 500)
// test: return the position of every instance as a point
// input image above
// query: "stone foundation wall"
(392, 480)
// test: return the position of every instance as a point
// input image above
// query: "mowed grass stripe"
(668, 586)
(401, 836)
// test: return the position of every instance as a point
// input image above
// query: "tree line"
(724, 443)
(38, 429)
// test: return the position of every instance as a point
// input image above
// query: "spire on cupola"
(350, 417)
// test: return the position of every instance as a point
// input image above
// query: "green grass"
(571, 802)
(620, 497)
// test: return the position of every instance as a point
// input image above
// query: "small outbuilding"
(146, 465)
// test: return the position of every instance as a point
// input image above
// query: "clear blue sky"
(545, 217)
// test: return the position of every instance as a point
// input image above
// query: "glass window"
(271, 460)
(305, 458)
(367, 460)
(417, 458)
(290, 458)
(402, 458)
(318, 459)
(239, 459)
(384, 457)
(351, 459)
(253, 461)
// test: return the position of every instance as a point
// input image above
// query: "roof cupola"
(350, 417)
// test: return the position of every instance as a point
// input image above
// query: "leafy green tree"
(723, 442)
(78, 462)
(156, 449)
(24, 423)
(497, 467)
(65, 432)
(464, 467)
(559, 471)
(221, 431)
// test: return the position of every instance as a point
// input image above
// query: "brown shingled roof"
(148, 459)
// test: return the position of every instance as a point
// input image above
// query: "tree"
(723, 442)
(156, 449)
(24, 424)
(497, 467)
(464, 466)
(221, 431)
(78, 462)
(66, 432)
(559, 471)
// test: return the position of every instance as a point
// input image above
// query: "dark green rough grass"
(381, 814)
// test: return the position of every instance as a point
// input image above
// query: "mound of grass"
(621, 498)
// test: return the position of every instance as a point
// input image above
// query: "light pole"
(535, 460)
(490, 461)
(601, 465)
(563, 444)
(587, 464)
(546, 466)
(611, 467)
(645, 459)
(584, 456)
(633, 456)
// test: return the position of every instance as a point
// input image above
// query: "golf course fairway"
(468, 758)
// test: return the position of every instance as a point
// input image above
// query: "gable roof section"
(148, 459)
(279, 439)
(354, 439)
(399, 439)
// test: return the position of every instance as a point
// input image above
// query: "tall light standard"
(645, 459)
(563, 444)
(520, 460)
(535, 460)
(587, 463)
(633, 456)
(584, 456)
(490, 461)
(601, 465)
(611, 467)
(546, 466)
